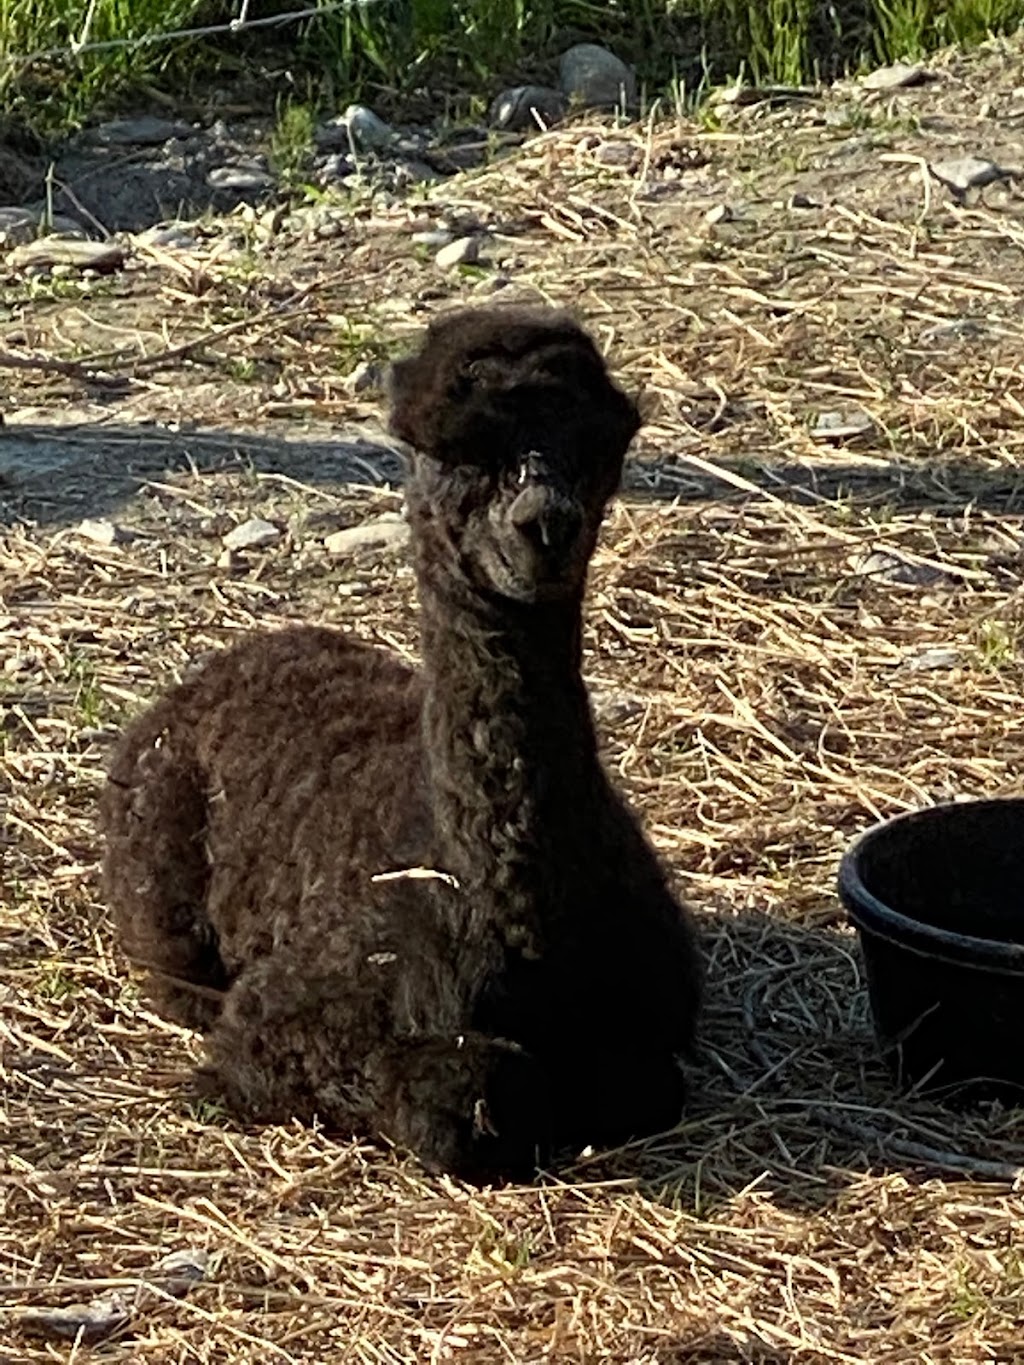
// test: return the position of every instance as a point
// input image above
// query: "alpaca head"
(518, 438)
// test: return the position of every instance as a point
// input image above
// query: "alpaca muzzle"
(548, 518)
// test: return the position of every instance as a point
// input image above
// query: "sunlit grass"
(448, 47)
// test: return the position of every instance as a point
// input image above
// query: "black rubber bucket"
(938, 899)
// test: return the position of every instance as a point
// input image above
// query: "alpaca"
(410, 902)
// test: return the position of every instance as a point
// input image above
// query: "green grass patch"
(449, 50)
(38, 39)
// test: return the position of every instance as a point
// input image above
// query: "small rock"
(389, 533)
(528, 107)
(463, 251)
(739, 95)
(719, 213)
(269, 224)
(254, 534)
(432, 237)
(147, 131)
(168, 237)
(335, 167)
(416, 143)
(103, 532)
(364, 377)
(449, 158)
(364, 129)
(615, 153)
(613, 708)
(16, 225)
(240, 178)
(963, 173)
(958, 329)
(21, 663)
(884, 567)
(179, 1271)
(899, 76)
(333, 136)
(83, 255)
(78, 1322)
(937, 657)
(593, 76)
(803, 201)
(841, 426)
(412, 171)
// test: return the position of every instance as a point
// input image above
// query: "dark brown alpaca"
(410, 902)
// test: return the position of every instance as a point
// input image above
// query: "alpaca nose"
(548, 518)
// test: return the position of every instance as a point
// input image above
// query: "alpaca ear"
(411, 402)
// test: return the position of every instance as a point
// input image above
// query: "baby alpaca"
(409, 901)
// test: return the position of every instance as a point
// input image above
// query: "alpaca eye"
(477, 372)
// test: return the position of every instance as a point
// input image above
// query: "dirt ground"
(792, 632)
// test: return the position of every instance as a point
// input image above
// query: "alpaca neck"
(510, 746)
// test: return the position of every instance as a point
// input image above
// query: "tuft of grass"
(37, 43)
(911, 28)
(997, 644)
(291, 142)
(88, 700)
(55, 983)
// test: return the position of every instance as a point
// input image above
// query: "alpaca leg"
(155, 869)
(297, 1042)
(288, 1041)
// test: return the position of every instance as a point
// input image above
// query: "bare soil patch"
(791, 632)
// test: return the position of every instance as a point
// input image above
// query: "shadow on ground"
(58, 475)
(789, 1096)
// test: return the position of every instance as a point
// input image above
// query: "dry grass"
(763, 607)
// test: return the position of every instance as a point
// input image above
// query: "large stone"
(52, 251)
(595, 77)
(529, 107)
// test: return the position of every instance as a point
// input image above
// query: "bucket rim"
(871, 915)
